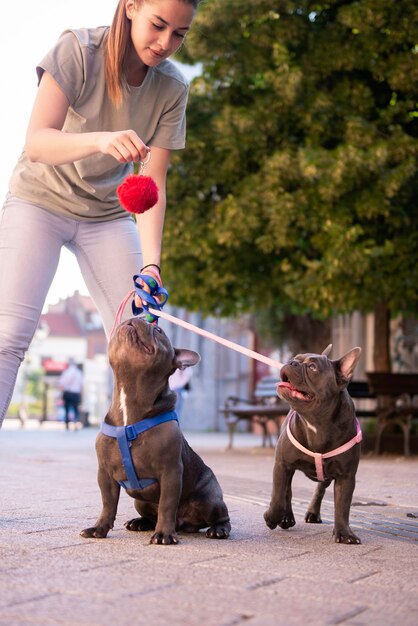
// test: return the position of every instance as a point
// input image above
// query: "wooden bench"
(388, 398)
(264, 407)
(396, 403)
(364, 398)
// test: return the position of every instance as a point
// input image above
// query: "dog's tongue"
(295, 393)
(288, 385)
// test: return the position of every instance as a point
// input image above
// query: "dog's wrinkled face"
(310, 381)
(142, 352)
(141, 347)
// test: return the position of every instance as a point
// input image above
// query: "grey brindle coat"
(324, 419)
(187, 496)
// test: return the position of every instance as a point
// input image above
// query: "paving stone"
(49, 575)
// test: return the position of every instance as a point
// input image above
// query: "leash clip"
(157, 297)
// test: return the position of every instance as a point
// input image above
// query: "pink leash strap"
(225, 342)
(318, 456)
(204, 333)
(119, 312)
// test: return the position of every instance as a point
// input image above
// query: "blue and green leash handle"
(155, 298)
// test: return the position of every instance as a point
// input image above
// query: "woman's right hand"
(123, 145)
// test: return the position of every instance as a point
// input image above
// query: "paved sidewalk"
(51, 576)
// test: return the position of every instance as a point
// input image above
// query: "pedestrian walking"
(71, 385)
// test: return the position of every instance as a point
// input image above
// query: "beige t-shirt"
(86, 189)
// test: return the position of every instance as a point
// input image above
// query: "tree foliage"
(298, 188)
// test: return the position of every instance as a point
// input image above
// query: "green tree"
(297, 191)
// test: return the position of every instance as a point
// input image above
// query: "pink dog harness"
(318, 456)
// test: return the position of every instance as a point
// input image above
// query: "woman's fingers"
(125, 146)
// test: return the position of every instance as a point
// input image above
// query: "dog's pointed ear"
(185, 358)
(327, 350)
(346, 365)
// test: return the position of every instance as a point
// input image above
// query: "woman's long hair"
(117, 47)
(118, 42)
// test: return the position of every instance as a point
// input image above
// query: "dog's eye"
(313, 367)
(158, 329)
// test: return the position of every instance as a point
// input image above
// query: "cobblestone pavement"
(51, 576)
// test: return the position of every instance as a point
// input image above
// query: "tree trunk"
(381, 351)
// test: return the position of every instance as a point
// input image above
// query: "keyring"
(142, 164)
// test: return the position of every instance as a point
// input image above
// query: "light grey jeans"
(31, 239)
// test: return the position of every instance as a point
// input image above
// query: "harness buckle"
(130, 433)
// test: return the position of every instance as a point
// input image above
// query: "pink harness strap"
(318, 456)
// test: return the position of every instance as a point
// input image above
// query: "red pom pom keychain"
(138, 193)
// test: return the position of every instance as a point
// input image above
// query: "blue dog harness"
(126, 434)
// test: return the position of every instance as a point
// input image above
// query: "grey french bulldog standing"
(172, 487)
(320, 437)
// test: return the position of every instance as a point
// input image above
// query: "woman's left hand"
(154, 272)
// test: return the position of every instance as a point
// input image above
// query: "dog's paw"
(271, 523)
(219, 531)
(166, 539)
(312, 518)
(96, 532)
(284, 520)
(346, 537)
(140, 523)
(287, 521)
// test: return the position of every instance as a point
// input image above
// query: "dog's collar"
(124, 436)
(318, 456)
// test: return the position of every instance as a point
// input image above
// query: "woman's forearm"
(150, 228)
(55, 147)
(47, 143)
(151, 223)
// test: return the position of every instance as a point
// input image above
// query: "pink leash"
(204, 333)
(318, 456)
(119, 312)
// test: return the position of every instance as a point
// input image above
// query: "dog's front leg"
(313, 514)
(343, 493)
(170, 486)
(280, 509)
(110, 490)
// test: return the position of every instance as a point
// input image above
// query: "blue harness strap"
(124, 436)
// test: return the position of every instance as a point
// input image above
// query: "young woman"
(107, 97)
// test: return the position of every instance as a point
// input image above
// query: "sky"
(28, 29)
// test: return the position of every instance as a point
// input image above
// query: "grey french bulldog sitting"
(320, 437)
(141, 446)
